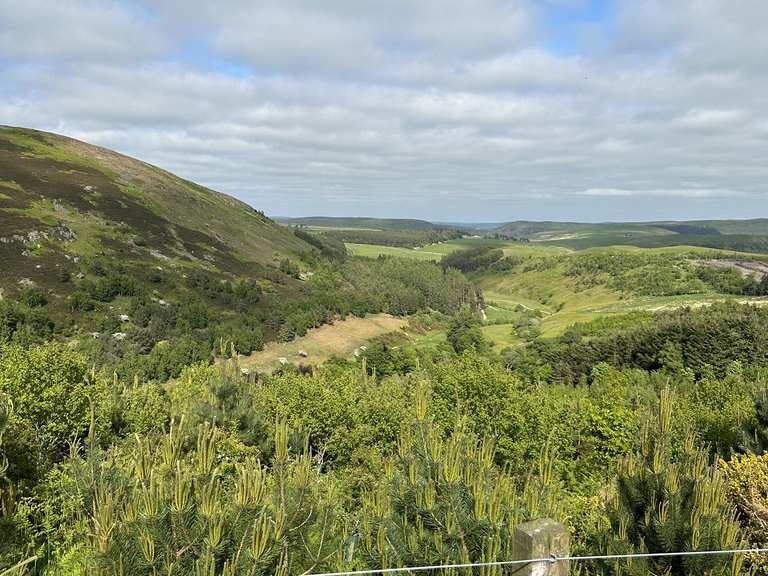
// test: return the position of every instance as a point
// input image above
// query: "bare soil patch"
(745, 267)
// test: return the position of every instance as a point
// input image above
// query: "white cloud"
(707, 119)
(345, 37)
(446, 109)
(75, 30)
(662, 193)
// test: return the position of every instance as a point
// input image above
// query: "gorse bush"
(747, 487)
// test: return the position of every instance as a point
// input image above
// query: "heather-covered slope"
(62, 200)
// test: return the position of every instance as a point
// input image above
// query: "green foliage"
(587, 429)
(712, 337)
(168, 359)
(442, 501)
(761, 288)
(646, 274)
(172, 508)
(605, 324)
(747, 488)
(670, 498)
(146, 408)
(402, 238)
(244, 335)
(289, 268)
(51, 388)
(464, 332)
(720, 409)
(473, 388)
(32, 297)
(349, 418)
(241, 294)
(473, 259)
(23, 324)
(108, 287)
(402, 286)
(191, 314)
(385, 359)
(728, 280)
(10, 540)
(328, 246)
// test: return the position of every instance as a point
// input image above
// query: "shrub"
(146, 408)
(51, 388)
(747, 487)
(442, 501)
(464, 332)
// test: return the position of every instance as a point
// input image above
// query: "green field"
(559, 298)
(437, 251)
(374, 251)
(563, 299)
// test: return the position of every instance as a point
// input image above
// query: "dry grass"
(340, 338)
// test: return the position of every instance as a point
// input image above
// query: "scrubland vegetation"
(153, 453)
(405, 456)
(622, 391)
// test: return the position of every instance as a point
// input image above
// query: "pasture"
(340, 338)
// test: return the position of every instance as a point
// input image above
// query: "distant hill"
(63, 201)
(755, 226)
(546, 229)
(554, 230)
(360, 223)
(739, 235)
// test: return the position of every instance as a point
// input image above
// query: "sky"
(447, 110)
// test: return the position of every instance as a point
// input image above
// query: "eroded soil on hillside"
(745, 267)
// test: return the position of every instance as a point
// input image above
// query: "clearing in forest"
(340, 338)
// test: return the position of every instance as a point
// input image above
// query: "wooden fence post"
(543, 538)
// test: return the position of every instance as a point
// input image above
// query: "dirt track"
(746, 267)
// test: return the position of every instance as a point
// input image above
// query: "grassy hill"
(63, 201)
(564, 230)
(551, 293)
(754, 226)
(136, 267)
(740, 235)
(360, 223)
(548, 229)
(542, 287)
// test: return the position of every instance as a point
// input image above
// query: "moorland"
(188, 386)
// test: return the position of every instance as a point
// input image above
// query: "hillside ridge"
(62, 200)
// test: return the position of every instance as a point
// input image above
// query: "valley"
(546, 291)
(423, 288)
(187, 383)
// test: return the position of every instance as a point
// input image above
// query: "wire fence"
(549, 560)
